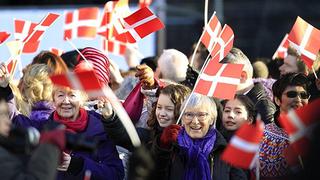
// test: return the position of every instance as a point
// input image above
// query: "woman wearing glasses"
(193, 152)
(290, 92)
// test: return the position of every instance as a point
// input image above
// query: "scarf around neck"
(196, 153)
(73, 126)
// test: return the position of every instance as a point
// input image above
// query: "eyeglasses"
(201, 116)
(294, 94)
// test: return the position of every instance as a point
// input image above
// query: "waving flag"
(211, 33)
(219, 80)
(140, 24)
(11, 66)
(106, 25)
(114, 47)
(81, 23)
(242, 150)
(3, 36)
(22, 29)
(37, 32)
(299, 124)
(306, 40)
(223, 43)
(282, 49)
(144, 3)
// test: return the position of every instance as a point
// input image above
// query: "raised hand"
(4, 75)
(146, 76)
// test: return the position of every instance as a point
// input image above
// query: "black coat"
(262, 103)
(169, 165)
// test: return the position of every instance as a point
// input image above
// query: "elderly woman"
(105, 163)
(193, 152)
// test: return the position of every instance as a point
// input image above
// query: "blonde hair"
(35, 85)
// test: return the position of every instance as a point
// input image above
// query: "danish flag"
(223, 44)
(144, 3)
(114, 46)
(140, 24)
(38, 31)
(22, 29)
(81, 23)
(219, 80)
(299, 124)
(3, 36)
(11, 66)
(282, 49)
(306, 40)
(242, 150)
(86, 81)
(56, 51)
(106, 25)
(212, 30)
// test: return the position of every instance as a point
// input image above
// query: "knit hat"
(99, 62)
(173, 65)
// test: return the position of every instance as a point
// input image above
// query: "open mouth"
(196, 128)
(230, 123)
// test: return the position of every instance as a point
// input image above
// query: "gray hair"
(199, 100)
(236, 56)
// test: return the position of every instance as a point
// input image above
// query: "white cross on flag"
(114, 46)
(140, 24)
(299, 124)
(144, 3)
(106, 25)
(212, 30)
(56, 51)
(38, 31)
(86, 81)
(242, 150)
(224, 43)
(219, 80)
(81, 23)
(282, 49)
(306, 40)
(22, 29)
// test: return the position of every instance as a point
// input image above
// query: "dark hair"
(248, 104)
(151, 62)
(289, 79)
(177, 93)
(55, 63)
(71, 58)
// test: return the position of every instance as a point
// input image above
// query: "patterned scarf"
(196, 153)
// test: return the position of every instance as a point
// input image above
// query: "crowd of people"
(154, 94)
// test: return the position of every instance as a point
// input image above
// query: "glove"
(56, 137)
(146, 76)
(169, 136)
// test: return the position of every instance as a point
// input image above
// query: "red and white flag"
(81, 23)
(22, 29)
(144, 3)
(223, 44)
(11, 66)
(242, 150)
(38, 31)
(86, 81)
(219, 80)
(114, 47)
(4, 36)
(56, 51)
(106, 26)
(299, 124)
(140, 24)
(282, 49)
(211, 33)
(306, 40)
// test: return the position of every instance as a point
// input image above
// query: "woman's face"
(197, 121)
(234, 115)
(165, 111)
(67, 103)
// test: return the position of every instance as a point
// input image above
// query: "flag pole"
(206, 2)
(198, 43)
(74, 47)
(314, 72)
